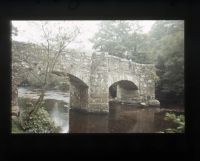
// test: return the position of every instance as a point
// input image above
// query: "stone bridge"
(98, 79)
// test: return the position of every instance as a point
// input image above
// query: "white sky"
(29, 32)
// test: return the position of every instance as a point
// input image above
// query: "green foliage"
(179, 120)
(122, 39)
(39, 122)
(168, 39)
(111, 37)
(165, 37)
(16, 127)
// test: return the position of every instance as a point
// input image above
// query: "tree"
(121, 38)
(54, 45)
(169, 39)
(46, 53)
(111, 37)
(159, 42)
(138, 40)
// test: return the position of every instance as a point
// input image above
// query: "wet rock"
(66, 106)
(154, 102)
(143, 104)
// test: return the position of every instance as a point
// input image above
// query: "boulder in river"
(154, 102)
(143, 104)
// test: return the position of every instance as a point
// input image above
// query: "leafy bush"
(179, 120)
(39, 122)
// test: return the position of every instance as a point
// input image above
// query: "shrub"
(39, 122)
(179, 120)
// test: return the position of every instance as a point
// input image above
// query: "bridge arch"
(124, 91)
(117, 77)
(78, 89)
(79, 81)
(78, 93)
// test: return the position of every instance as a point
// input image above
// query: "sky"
(28, 31)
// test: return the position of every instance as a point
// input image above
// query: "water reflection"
(60, 118)
(121, 118)
(55, 102)
(88, 123)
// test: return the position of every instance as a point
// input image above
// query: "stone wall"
(77, 65)
(142, 75)
(99, 72)
(96, 73)
(146, 76)
(98, 91)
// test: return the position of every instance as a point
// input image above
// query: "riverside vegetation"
(163, 46)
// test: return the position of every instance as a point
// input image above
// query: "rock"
(143, 104)
(154, 102)
(66, 106)
(15, 110)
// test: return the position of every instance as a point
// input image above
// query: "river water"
(121, 118)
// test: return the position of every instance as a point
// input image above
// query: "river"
(121, 118)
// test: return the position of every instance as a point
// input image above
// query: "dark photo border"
(98, 146)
